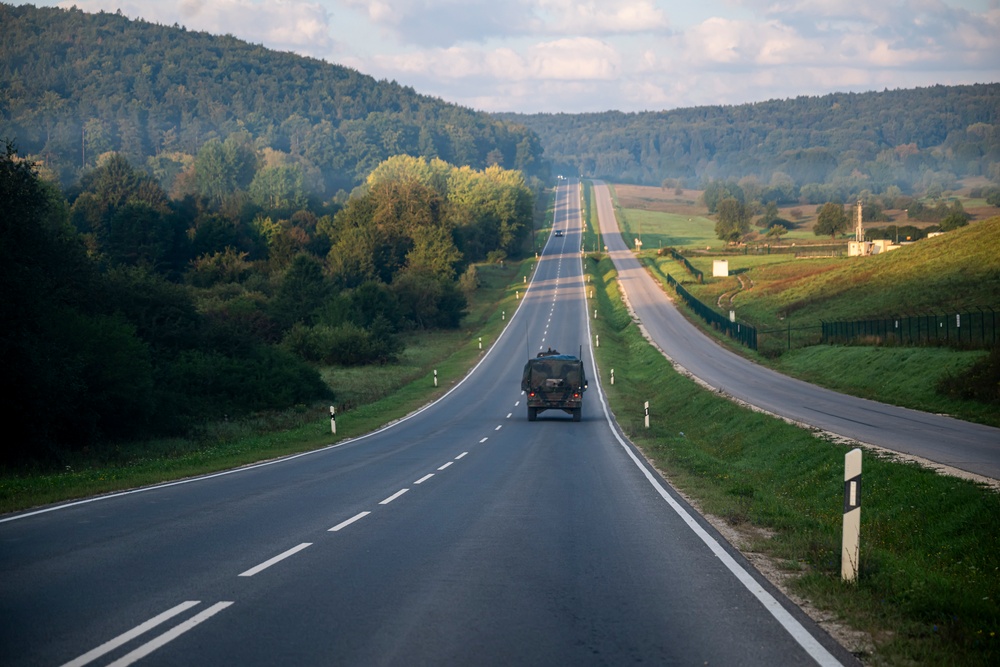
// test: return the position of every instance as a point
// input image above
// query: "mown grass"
(930, 553)
(366, 397)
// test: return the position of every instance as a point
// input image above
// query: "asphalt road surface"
(971, 447)
(463, 535)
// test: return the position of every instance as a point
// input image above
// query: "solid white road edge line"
(394, 496)
(348, 522)
(126, 637)
(280, 557)
(169, 635)
(815, 650)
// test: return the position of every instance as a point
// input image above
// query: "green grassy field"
(787, 299)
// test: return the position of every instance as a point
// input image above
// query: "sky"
(578, 56)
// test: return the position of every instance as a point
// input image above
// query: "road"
(461, 535)
(970, 447)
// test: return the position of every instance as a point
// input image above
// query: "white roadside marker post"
(646, 410)
(612, 376)
(435, 377)
(333, 419)
(851, 546)
(480, 342)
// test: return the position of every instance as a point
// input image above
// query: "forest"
(75, 85)
(816, 149)
(128, 314)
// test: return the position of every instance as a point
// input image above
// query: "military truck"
(553, 381)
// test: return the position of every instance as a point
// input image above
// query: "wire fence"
(697, 273)
(742, 333)
(970, 330)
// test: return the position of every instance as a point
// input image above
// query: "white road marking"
(393, 497)
(461, 456)
(277, 559)
(424, 478)
(517, 403)
(345, 524)
(509, 414)
(787, 621)
(446, 465)
(483, 440)
(126, 637)
(169, 635)
(500, 426)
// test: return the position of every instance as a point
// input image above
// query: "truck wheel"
(577, 414)
(532, 414)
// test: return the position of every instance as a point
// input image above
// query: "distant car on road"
(559, 232)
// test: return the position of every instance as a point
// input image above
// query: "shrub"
(980, 382)
(346, 344)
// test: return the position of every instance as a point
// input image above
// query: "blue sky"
(632, 55)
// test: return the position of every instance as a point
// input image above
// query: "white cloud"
(571, 59)
(287, 25)
(597, 18)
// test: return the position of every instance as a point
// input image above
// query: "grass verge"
(929, 584)
(366, 397)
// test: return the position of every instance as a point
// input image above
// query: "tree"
(831, 220)
(718, 191)
(769, 216)
(278, 188)
(733, 220)
(303, 290)
(776, 232)
(223, 168)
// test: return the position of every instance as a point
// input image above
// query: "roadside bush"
(346, 344)
(203, 384)
(980, 382)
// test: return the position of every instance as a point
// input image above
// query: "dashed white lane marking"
(169, 635)
(499, 426)
(483, 440)
(461, 456)
(394, 496)
(517, 403)
(509, 414)
(277, 559)
(446, 465)
(348, 522)
(424, 478)
(126, 637)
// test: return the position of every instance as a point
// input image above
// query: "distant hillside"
(907, 138)
(955, 272)
(74, 85)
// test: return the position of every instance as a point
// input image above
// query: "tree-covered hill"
(74, 86)
(907, 138)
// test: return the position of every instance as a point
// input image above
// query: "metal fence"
(742, 333)
(973, 330)
(690, 267)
